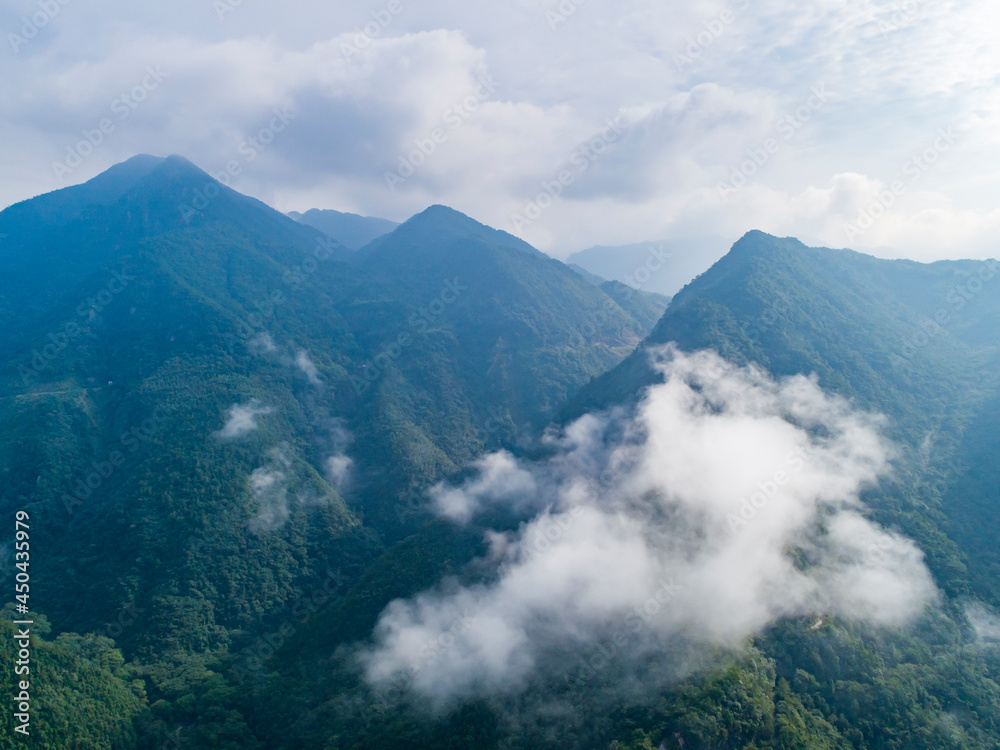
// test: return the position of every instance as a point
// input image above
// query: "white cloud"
(308, 367)
(895, 77)
(499, 480)
(339, 466)
(338, 470)
(242, 419)
(731, 496)
(985, 622)
(262, 343)
(268, 486)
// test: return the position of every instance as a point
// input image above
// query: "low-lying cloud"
(339, 467)
(269, 486)
(984, 621)
(242, 419)
(269, 489)
(639, 528)
(500, 479)
(308, 367)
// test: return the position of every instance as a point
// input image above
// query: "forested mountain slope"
(211, 411)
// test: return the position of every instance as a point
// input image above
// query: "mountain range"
(233, 429)
(660, 267)
(351, 230)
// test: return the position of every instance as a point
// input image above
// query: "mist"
(725, 502)
(242, 420)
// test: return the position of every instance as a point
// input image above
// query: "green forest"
(271, 410)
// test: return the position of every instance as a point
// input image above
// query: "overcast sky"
(788, 117)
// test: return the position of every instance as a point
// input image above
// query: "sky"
(571, 123)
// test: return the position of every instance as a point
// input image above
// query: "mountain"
(249, 410)
(454, 313)
(515, 309)
(909, 340)
(857, 322)
(224, 425)
(593, 278)
(864, 326)
(660, 267)
(351, 230)
(645, 307)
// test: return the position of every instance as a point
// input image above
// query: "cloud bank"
(725, 502)
(700, 86)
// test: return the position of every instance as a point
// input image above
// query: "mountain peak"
(138, 166)
(117, 180)
(438, 215)
(177, 164)
(757, 242)
(443, 222)
(439, 209)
